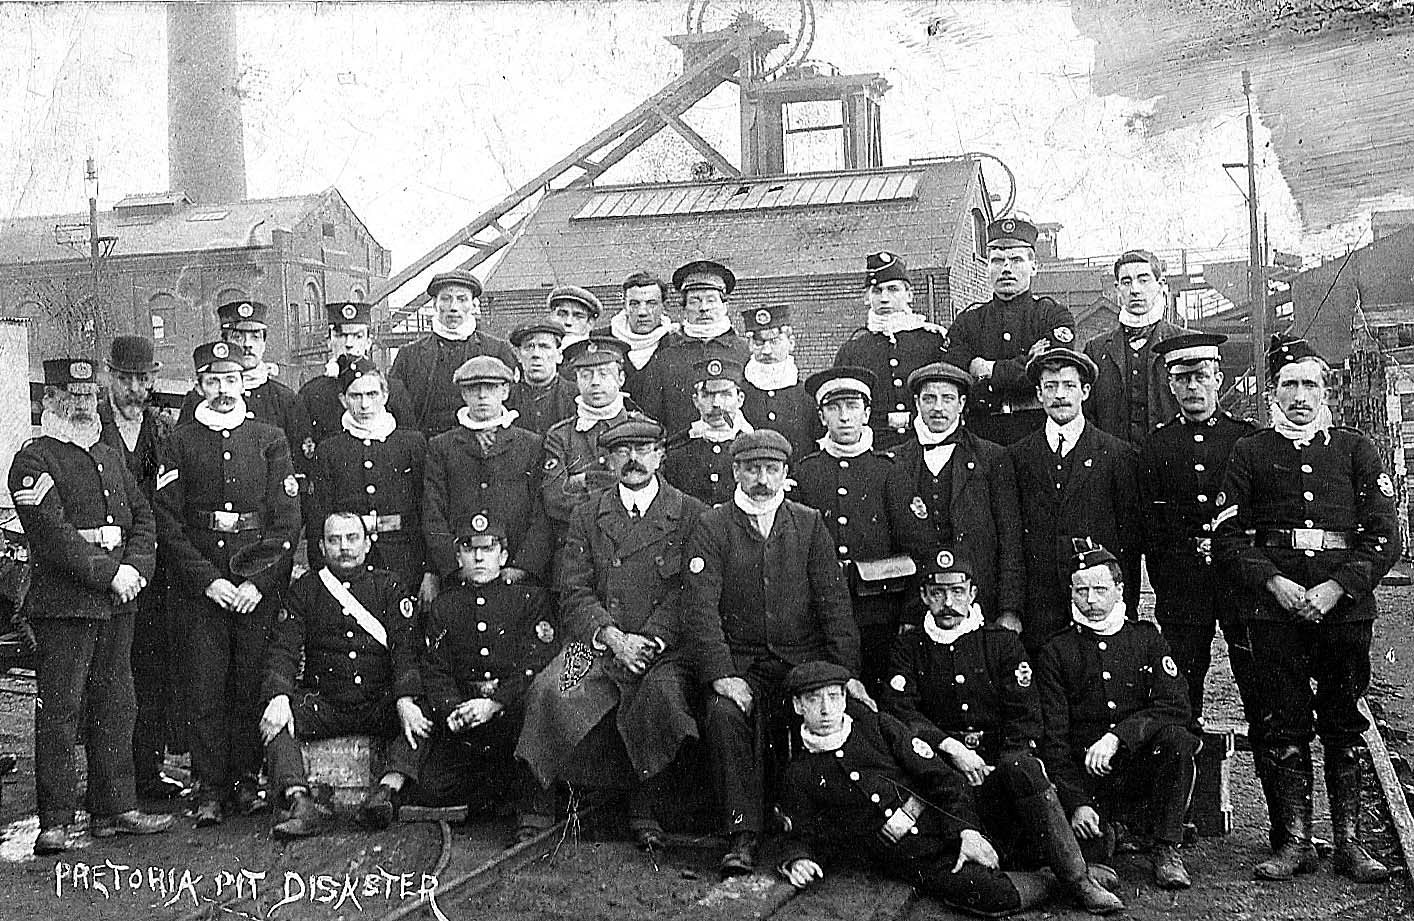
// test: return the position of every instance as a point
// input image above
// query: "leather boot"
(1276, 833)
(1032, 888)
(1291, 777)
(1046, 819)
(1344, 773)
(307, 818)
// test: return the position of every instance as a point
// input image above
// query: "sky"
(424, 114)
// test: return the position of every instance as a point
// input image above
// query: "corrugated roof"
(186, 229)
(781, 226)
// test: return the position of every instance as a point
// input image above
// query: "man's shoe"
(246, 797)
(1104, 876)
(52, 840)
(209, 813)
(132, 822)
(377, 810)
(161, 787)
(1169, 871)
(740, 858)
(307, 818)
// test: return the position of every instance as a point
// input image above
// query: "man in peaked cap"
(1181, 469)
(844, 480)
(92, 550)
(965, 687)
(576, 466)
(244, 327)
(1306, 524)
(576, 309)
(542, 395)
(949, 486)
(620, 576)
(488, 464)
(699, 457)
(135, 428)
(1116, 710)
(1131, 393)
(664, 387)
(350, 326)
(995, 339)
(893, 342)
(1071, 480)
(374, 466)
(764, 593)
(773, 395)
(228, 516)
(425, 367)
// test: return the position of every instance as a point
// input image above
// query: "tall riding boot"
(1290, 768)
(1043, 813)
(1344, 772)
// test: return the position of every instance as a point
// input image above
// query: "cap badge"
(1023, 674)
(245, 310)
(591, 347)
(919, 508)
(80, 370)
(349, 311)
(886, 257)
(1063, 334)
(945, 559)
(479, 523)
(763, 316)
(714, 367)
(221, 350)
(1008, 226)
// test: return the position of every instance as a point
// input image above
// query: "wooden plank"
(1390, 786)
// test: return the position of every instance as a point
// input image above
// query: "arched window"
(313, 325)
(161, 312)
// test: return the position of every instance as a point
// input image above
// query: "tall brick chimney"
(205, 147)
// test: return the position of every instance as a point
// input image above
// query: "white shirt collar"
(643, 498)
(1071, 430)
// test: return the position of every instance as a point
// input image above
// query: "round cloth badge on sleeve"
(696, 564)
(1170, 667)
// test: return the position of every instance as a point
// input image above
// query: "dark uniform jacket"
(486, 641)
(58, 489)
(789, 410)
(751, 597)
(892, 360)
(699, 467)
(143, 459)
(381, 477)
(978, 690)
(849, 493)
(320, 396)
(245, 470)
(425, 368)
(275, 404)
(342, 661)
(1335, 485)
(1004, 331)
(664, 386)
(1099, 499)
(1147, 382)
(542, 407)
(1181, 470)
(1090, 684)
(981, 514)
(837, 801)
(461, 481)
(568, 451)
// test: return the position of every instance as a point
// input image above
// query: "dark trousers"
(225, 655)
(475, 767)
(1159, 777)
(974, 888)
(1190, 641)
(1337, 657)
(155, 683)
(1016, 776)
(83, 663)
(318, 717)
(875, 642)
(737, 744)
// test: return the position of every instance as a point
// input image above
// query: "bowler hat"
(132, 354)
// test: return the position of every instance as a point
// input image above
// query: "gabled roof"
(186, 228)
(761, 227)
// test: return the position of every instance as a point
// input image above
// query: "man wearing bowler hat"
(576, 467)
(244, 326)
(665, 386)
(948, 486)
(541, 395)
(995, 339)
(136, 429)
(699, 457)
(773, 397)
(228, 516)
(350, 325)
(764, 593)
(894, 341)
(1072, 480)
(425, 367)
(92, 549)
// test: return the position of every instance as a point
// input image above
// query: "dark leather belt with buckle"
(225, 522)
(973, 739)
(1306, 539)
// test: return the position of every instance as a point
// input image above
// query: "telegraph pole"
(1256, 271)
(94, 245)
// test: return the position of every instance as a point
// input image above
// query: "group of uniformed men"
(562, 557)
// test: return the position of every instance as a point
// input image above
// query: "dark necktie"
(635, 512)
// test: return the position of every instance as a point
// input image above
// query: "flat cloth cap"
(546, 325)
(939, 371)
(1060, 354)
(762, 444)
(637, 429)
(578, 295)
(483, 369)
(811, 676)
(454, 277)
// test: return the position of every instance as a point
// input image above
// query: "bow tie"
(950, 440)
(1138, 332)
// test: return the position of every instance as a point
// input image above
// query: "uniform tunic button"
(1202, 497)
(353, 654)
(1103, 646)
(480, 600)
(220, 543)
(485, 651)
(843, 550)
(368, 465)
(1006, 337)
(964, 706)
(1309, 552)
(900, 406)
(367, 442)
(893, 362)
(716, 449)
(961, 679)
(1110, 704)
(228, 506)
(913, 830)
(888, 813)
(227, 455)
(1198, 436)
(1305, 468)
(1112, 725)
(1308, 495)
(350, 633)
(844, 465)
(898, 382)
(853, 775)
(371, 489)
(105, 492)
(1308, 523)
(1105, 675)
(481, 625)
(358, 679)
(100, 468)
(225, 434)
(839, 753)
(844, 520)
(842, 491)
(1199, 467)
(873, 797)
(714, 477)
